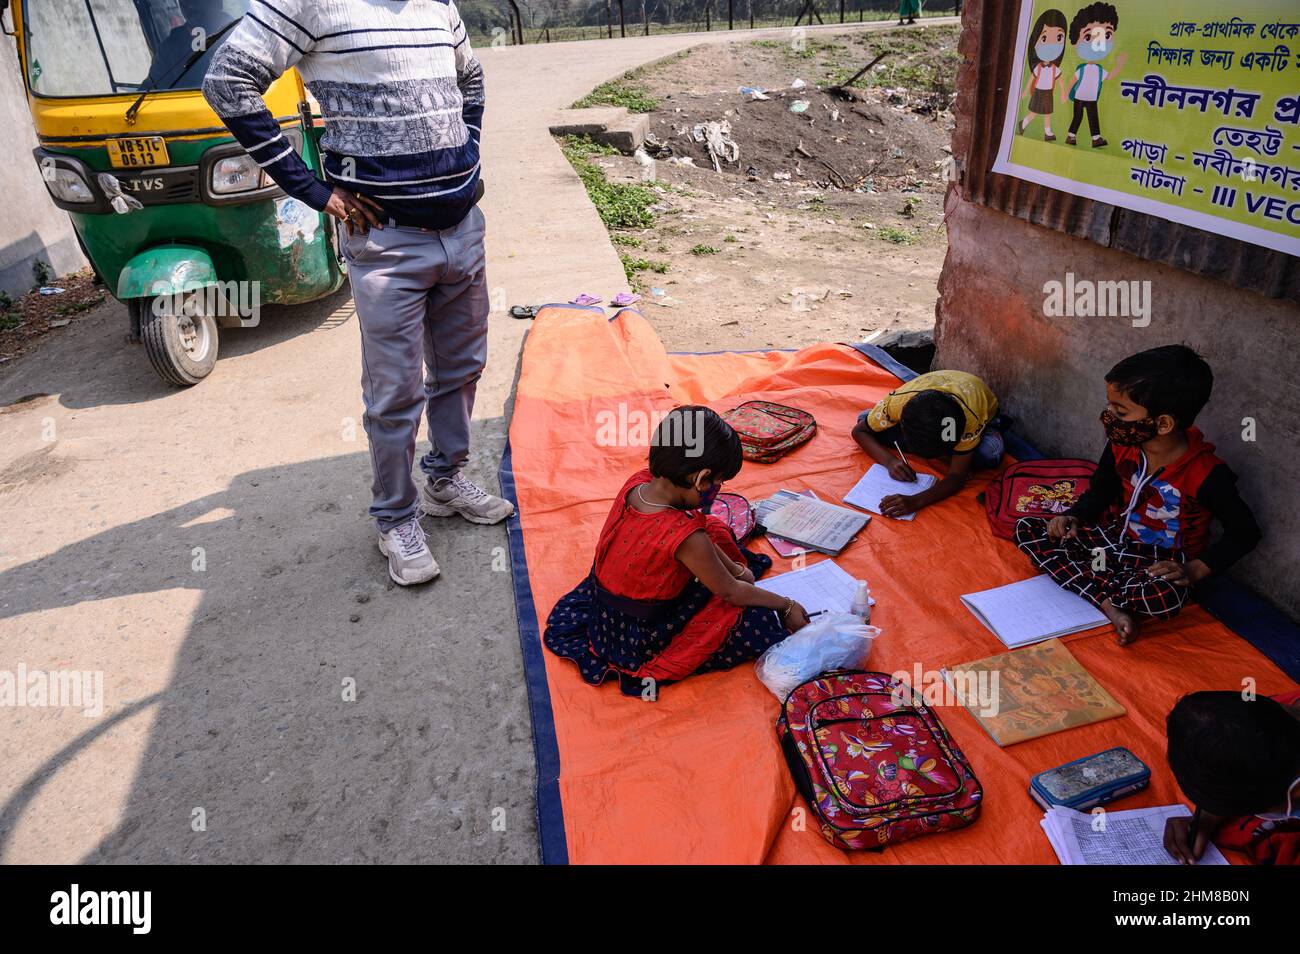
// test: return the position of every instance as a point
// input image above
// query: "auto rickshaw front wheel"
(178, 335)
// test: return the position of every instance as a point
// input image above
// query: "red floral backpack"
(1035, 488)
(769, 431)
(873, 761)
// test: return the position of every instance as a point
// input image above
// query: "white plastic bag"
(831, 641)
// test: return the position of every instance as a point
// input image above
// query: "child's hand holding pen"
(900, 469)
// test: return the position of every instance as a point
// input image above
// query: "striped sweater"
(400, 90)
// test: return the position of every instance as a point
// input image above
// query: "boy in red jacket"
(1137, 540)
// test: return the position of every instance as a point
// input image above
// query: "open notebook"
(876, 485)
(1134, 837)
(1032, 610)
(822, 587)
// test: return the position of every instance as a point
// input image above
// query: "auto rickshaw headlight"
(236, 174)
(67, 185)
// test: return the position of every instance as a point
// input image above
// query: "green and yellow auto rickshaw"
(175, 218)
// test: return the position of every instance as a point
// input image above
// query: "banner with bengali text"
(1176, 110)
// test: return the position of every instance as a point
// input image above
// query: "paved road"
(207, 550)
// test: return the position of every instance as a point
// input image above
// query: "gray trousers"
(422, 303)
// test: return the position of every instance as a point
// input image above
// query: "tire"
(182, 347)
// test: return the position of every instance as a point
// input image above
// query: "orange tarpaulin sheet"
(698, 776)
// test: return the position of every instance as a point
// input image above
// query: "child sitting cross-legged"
(670, 592)
(1162, 478)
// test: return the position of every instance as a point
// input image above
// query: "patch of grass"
(9, 318)
(584, 147)
(621, 205)
(730, 238)
(705, 250)
(892, 233)
(628, 241)
(624, 91)
(64, 310)
(632, 266)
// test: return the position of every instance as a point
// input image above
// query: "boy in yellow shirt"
(944, 415)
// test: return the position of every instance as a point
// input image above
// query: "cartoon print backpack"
(874, 762)
(737, 513)
(769, 431)
(1035, 488)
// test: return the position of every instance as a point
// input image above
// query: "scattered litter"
(656, 147)
(751, 174)
(52, 290)
(895, 153)
(60, 322)
(799, 106)
(717, 138)
(682, 161)
(754, 92)
(782, 176)
(798, 84)
(868, 225)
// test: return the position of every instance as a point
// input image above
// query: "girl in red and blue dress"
(671, 593)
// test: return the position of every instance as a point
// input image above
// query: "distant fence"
(512, 22)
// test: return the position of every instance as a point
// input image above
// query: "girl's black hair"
(1049, 18)
(691, 439)
(1172, 379)
(926, 418)
(1233, 756)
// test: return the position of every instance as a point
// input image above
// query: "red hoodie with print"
(1164, 508)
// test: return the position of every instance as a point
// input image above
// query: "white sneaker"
(460, 495)
(409, 559)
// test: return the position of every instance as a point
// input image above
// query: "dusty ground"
(829, 224)
(224, 678)
(29, 319)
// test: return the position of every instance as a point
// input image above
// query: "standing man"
(401, 93)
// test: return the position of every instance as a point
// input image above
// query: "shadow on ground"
(252, 726)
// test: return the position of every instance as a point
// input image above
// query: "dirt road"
(267, 696)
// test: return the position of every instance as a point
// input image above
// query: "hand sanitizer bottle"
(861, 607)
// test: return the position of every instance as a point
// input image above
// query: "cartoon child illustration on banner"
(1092, 31)
(1046, 51)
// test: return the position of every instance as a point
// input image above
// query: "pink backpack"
(873, 761)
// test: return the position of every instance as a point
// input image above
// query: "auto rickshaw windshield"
(117, 47)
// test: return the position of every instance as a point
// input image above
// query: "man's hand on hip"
(358, 211)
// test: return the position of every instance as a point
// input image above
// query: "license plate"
(136, 153)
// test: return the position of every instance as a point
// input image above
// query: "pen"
(1195, 829)
(901, 455)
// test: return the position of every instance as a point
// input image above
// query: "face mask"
(1091, 51)
(1128, 433)
(1290, 813)
(1047, 52)
(707, 497)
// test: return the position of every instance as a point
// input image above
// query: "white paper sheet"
(1134, 837)
(876, 484)
(818, 588)
(816, 524)
(1032, 610)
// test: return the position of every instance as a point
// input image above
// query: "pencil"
(1195, 829)
(901, 454)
